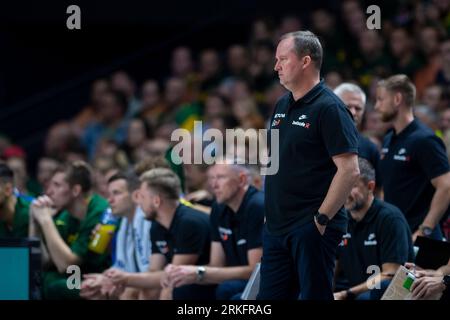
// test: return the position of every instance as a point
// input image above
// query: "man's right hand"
(341, 295)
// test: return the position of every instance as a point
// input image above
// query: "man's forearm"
(145, 280)
(438, 206)
(363, 287)
(339, 189)
(215, 275)
(59, 251)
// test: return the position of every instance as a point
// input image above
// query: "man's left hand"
(182, 275)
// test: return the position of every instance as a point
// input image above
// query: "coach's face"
(224, 182)
(385, 105)
(288, 65)
(358, 197)
(355, 104)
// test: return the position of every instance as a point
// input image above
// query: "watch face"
(322, 219)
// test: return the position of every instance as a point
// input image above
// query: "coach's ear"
(306, 62)
(371, 186)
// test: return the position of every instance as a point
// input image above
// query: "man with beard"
(414, 163)
(179, 234)
(378, 235)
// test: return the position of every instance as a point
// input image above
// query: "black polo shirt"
(369, 151)
(382, 236)
(188, 234)
(239, 231)
(409, 161)
(311, 131)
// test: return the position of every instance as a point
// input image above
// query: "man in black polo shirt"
(355, 100)
(414, 161)
(237, 220)
(179, 234)
(378, 235)
(318, 145)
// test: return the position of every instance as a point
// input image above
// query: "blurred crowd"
(126, 122)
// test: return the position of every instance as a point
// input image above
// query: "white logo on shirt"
(371, 240)
(279, 115)
(401, 155)
(302, 117)
(241, 242)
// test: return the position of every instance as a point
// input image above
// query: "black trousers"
(299, 264)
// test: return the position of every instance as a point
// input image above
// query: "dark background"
(46, 69)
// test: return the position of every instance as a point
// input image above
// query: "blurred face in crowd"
(225, 182)
(195, 177)
(175, 91)
(209, 63)
(57, 137)
(323, 22)
(432, 96)
(445, 52)
(445, 120)
(214, 106)
(99, 88)
(149, 201)
(122, 82)
(119, 198)
(60, 191)
(370, 43)
(288, 64)
(110, 108)
(46, 168)
(19, 167)
(355, 104)
(290, 24)
(150, 93)
(429, 40)
(237, 58)
(181, 61)
(136, 133)
(385, 105)
(333, 79)
(6, 191)
(400, 43)
(359, 195)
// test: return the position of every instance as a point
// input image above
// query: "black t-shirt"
(241, 231)
(409, 161)
(369, 151)
(311, 131)
(188, 234)
(382, 236)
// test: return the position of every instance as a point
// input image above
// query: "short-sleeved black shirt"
(188, 234)
(311, 131)
(239, 231)
(382, 236)
(409, 161)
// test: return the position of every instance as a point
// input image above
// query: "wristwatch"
(200, 273)
(321, 218)
(427, 231)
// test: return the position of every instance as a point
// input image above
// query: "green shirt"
(20, 222)
(77, 234)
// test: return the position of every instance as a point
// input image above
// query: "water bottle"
(104, 233)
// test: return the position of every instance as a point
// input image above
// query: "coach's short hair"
(400, 83)
(77, 172)
(306, 43)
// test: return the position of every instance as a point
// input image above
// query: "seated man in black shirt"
(179, 234)
(378, 235)
(237, 220)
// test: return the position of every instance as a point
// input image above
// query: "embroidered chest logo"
(277, 119)
(162, 246)
(371, 240)
(344, 241)
(301, 122)
(225, 233)
(402, 155)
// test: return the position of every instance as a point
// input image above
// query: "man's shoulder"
(190, 216)
(388, 213)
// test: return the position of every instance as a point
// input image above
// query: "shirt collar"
(407, 130)
(310, 95)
